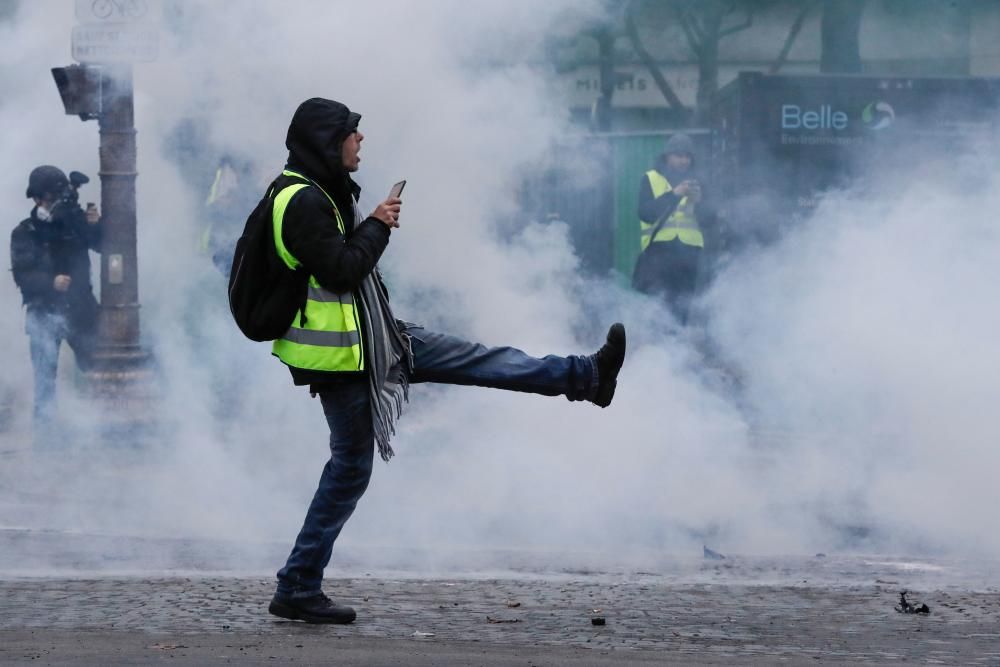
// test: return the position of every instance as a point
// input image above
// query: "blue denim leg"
(451, 360)
(344, 480)
(45, 335)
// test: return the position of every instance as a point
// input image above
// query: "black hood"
(315, 135)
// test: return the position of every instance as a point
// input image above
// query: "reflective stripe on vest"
(330, 339)
(682, 223)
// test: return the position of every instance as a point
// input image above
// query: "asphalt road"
(491, 621)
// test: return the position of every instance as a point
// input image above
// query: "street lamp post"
(108, 39)
(119, 324)
(120, 378)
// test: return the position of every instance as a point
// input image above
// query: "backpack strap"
(280, 203)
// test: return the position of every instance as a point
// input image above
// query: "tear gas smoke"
(862, 343)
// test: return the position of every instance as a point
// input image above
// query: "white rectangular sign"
(115, 43)
(116, 11)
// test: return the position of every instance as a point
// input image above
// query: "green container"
(634, 155)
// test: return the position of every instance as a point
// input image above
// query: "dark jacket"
(340, 262)
(39, 251)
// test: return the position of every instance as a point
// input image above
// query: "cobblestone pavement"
(119, 599)
(645, 618)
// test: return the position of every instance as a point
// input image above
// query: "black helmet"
(46, 180)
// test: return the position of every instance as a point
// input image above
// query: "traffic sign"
(115, 43)
(116, 11)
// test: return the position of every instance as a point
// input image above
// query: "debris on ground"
(422, 635)
(712, 555)
(905, 607)
(490, 619)
(513, 604)
(598, 620)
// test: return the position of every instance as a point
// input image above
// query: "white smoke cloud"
(862, 341)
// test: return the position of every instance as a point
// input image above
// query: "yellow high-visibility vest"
(682, 223)
(330, 339)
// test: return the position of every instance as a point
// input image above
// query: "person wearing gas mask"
(50, 261)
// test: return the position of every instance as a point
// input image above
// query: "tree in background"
(705, 24)
(840, 26)
(793, 33)
(696, 29)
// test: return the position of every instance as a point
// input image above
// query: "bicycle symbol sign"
(89, 11)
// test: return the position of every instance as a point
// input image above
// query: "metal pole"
(121, 378)
(119, 322)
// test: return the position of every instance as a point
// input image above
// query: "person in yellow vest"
(233, 192)
(670, 220)
(349, 348)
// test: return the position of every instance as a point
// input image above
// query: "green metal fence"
(633, 156)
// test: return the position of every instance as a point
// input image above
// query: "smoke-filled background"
(846, 403)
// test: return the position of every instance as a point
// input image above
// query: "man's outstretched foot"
(609, 360)
(313, 609)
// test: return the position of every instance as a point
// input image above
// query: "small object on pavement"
(490, 619)
(598, 620)
(712, 555)
(422, 635)
(513, 604)
(905, 607)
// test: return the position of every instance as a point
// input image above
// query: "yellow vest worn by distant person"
(682, 223)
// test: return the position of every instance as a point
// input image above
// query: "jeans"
(46, 332)
(437, 358)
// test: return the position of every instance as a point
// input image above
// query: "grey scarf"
(387, 355)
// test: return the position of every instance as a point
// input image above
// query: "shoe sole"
(291, 613)
(604, 401)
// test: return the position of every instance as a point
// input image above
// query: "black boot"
(609, 360)
(313, 609)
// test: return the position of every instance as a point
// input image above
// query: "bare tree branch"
(647, 60)
(741, 26)
(793, 33)
(691, 38)
(696, 27)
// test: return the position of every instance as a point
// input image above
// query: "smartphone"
(397, 189)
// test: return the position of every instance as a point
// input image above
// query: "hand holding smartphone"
(389, 213)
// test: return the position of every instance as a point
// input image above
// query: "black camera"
(67, 203)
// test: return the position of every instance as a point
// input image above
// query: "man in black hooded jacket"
(361, 403)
